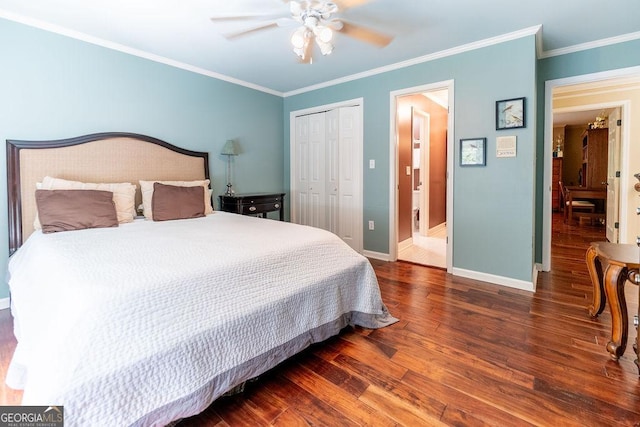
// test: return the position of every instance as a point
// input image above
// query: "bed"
(148, 322)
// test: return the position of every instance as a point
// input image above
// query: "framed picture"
(510, 113)
(473, 152)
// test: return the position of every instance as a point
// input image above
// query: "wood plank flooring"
(464, 353)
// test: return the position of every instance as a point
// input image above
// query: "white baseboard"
(437, 229)
(497, 280)
(5, 303)
(483, 277)
(405, 244)
(539, 267)
(376, 255)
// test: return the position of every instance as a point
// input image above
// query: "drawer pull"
(277, 206)
(252, 208)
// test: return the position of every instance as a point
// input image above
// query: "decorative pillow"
(146, 187)
(66, 210)
(124, 195)
(175, 202)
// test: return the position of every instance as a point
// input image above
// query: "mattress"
(150, 322)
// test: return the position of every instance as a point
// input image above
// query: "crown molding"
(534, 30)
(129, 50)
(591, 45)
(422, 59)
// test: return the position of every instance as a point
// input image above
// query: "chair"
(576, 205)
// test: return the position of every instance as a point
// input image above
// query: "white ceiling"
(584, 115)
(581, 118)
(181, 33)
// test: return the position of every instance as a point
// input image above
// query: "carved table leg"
(634, 277)
(615, 277)
(595, 271)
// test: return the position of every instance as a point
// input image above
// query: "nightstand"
(253, 204)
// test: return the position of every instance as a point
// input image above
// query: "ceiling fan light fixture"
(329, 9)
(323, 33)
(325, 48)
(304, 50)
(299, 52)
(316, 25)
(299, 38)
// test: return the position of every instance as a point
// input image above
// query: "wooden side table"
(621, 262)
(253, 204)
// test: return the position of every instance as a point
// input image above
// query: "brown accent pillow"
(66, 210)
(175, 202)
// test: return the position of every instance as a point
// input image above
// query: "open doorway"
(604, 101)
(422, 130)
(587, 149)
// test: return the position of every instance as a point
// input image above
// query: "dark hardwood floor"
(464, 353)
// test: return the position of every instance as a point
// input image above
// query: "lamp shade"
(229, 148)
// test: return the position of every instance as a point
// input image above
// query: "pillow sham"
(174, 202)
(146, 187)
(67, 210)
(124, 195)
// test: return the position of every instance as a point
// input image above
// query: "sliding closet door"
(317, 174)
(327, 173)
(333, 168)
(309, 194)
(300, 195)
(350, 171)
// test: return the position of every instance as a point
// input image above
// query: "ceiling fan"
(316, 21)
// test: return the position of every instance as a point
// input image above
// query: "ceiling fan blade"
(249, 31)
(365, 34)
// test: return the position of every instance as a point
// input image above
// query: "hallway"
(430, 251)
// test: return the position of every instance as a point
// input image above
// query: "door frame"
(356, 102)
(393, 165)
(612, 209)
(548, 149)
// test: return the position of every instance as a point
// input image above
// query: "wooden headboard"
(100, 157)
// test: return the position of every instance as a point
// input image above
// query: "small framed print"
(473, 152)
(510, 113)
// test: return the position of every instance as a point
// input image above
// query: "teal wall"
(612, 57)
(493, 205)
(57, 87)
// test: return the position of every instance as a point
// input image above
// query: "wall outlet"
(372, 226)
(372, 163)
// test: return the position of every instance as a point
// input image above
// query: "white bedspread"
(149, 322)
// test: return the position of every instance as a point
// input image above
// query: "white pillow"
(124, 195)
(146, 187)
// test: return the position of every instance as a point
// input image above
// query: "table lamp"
(229, 149)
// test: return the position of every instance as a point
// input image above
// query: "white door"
(349, 175)
(317, 174)
(332, 170)
(300, 198)
(326, 170)
(613, 181)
